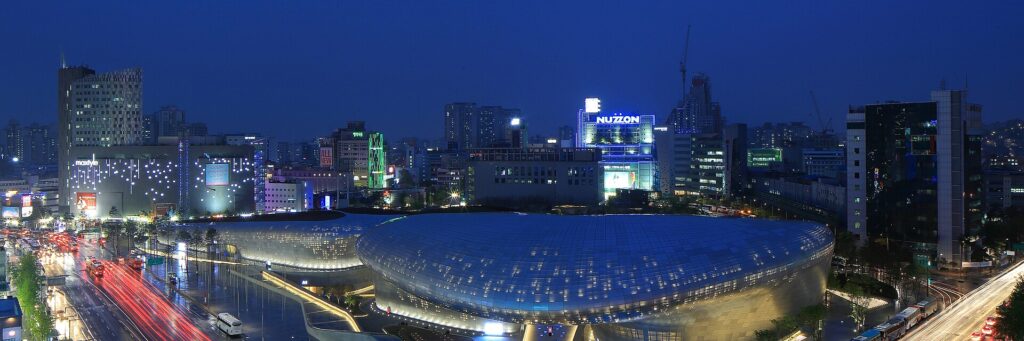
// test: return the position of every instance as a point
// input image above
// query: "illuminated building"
(631, 277)
(376, 161)
(697, 113)
(764, 159)
(260, 147)
(296, 245)
(517, 177)
(186, 179)
(287, 196)
(627, 146)
(354, 150)
(468, 126)
(914, 173)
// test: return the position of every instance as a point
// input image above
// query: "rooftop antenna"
(682, 64)
(63, 63)
(942, 84)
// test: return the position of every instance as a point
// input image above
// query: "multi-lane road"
(968, 314)
(120, 305)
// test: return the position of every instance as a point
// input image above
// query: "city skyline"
(322, 65)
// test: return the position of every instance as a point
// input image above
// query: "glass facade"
(627, 148)
(519, 268)
(327, 245)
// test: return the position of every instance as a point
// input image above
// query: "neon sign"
(617, 119)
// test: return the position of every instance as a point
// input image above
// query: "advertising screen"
(619, 179)
(217, 174)
(26, 211)
(85, 202)
(10, 212)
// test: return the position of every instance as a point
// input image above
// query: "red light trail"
(155, 316)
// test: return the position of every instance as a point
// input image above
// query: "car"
(990, 321)
(977, 336)
(987, 330)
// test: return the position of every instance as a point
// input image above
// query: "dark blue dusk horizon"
(295, 71)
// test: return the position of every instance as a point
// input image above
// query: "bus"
(870, 335)
(229, 324)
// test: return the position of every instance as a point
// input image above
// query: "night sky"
(295, 70)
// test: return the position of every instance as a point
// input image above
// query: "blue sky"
(294, 69)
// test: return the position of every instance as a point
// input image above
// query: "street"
(967, 315)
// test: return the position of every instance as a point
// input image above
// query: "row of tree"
(37, 324)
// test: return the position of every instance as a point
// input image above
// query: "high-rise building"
(39, 145)
(734, 152)
(106, 109)
(15, 143)
(260, 147)
(169, 121)
(626, 142)
(355, 150)
(780, 135)
(459, 125)
(910, 173)
(95, 110)
(697, 113)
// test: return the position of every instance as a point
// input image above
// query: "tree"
(37, 323)
(114, 212)
(859, 301)
(1010, 322)
(352, 301)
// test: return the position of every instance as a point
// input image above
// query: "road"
(967, 315)
(104, 319)
(154, 315)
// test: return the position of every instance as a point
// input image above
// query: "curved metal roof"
(596, 269)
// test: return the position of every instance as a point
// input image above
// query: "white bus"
(229, 324)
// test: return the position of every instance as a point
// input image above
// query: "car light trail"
(958, 320)
(152, 313)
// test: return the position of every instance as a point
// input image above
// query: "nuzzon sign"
(617, 120)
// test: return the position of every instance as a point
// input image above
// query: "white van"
(229, 324)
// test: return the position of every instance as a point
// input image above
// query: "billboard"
(10, 212)
(217, 174)
(85, 202)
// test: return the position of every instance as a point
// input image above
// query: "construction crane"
(682, 63)
(817, 111)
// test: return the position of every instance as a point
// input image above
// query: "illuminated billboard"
(628, 175)
(592, 105)
(85, 202)
(10, 212)
(218, 174)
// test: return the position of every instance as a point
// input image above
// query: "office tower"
(106, 109)
(66, 76)
(39, 145)
(283, 154)
(781, 135)
(355, 150)
(910, 173)
(697, 113)
(15, 144)
(566, 136)
(734, 148)
(169, 121)
(459, 125)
